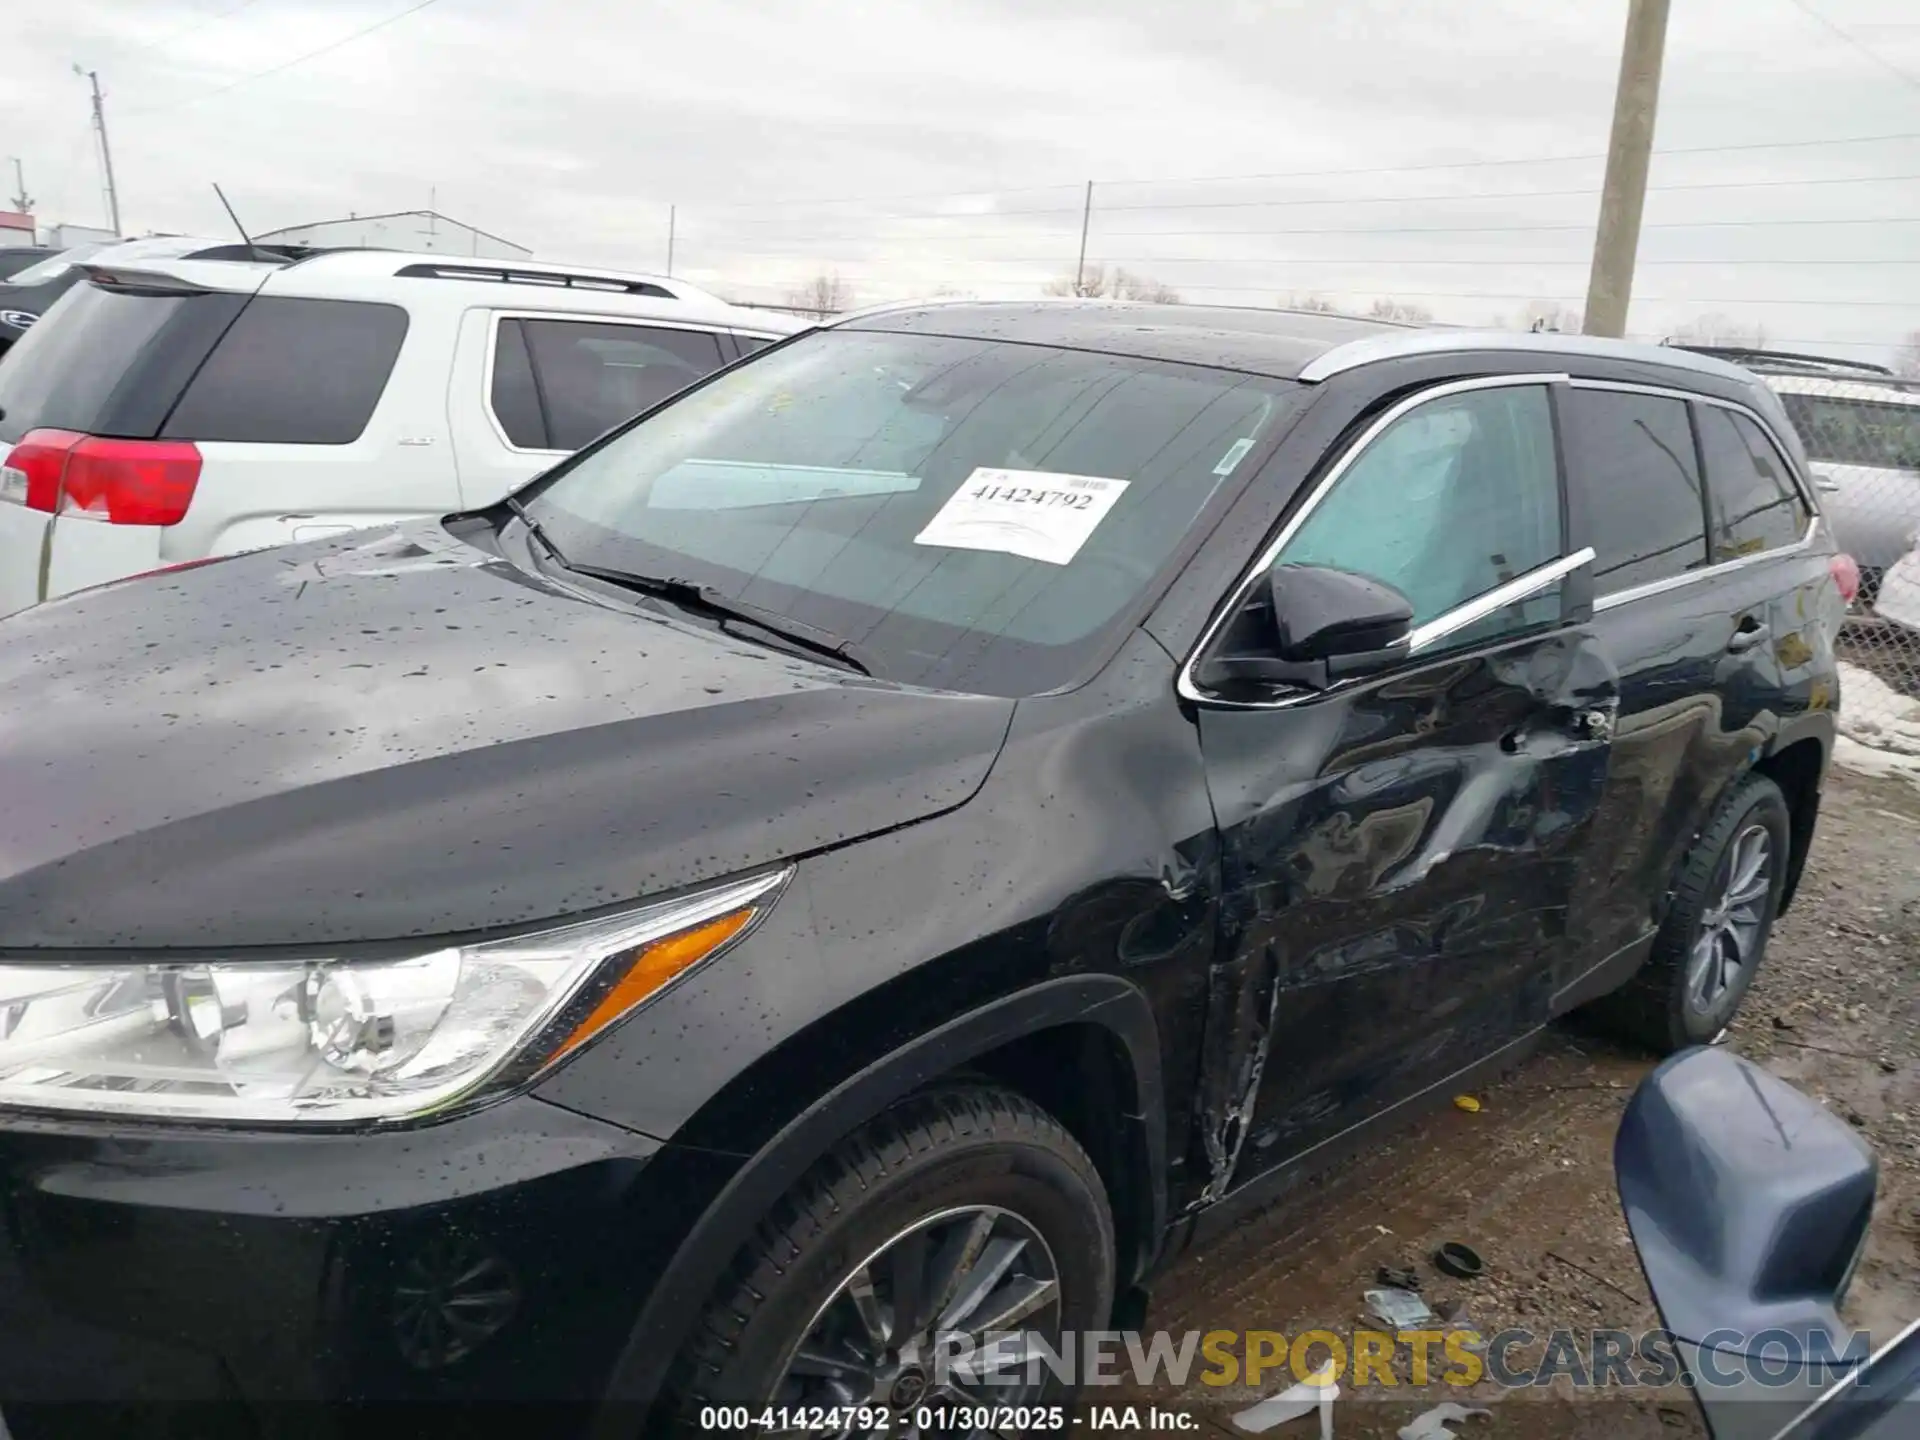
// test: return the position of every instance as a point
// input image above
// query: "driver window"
(1456, 497)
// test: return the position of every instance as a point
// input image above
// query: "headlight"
(336, 1040)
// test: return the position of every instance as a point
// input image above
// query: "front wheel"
(925, 1267)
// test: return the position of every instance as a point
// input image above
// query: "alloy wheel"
(977, 1271)
(1728, 941)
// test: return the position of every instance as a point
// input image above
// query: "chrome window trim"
(1516, 589)
(1185, 684)
(495, 318)
(1723, 567)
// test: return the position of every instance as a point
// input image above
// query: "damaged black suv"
(877, 854)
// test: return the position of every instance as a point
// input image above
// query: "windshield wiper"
(533, 529)
(708, 601)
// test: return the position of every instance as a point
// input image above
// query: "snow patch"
(1876, 716)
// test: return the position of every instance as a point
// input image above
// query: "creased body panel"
(1398, 862)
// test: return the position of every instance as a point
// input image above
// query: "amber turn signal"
(652, 967)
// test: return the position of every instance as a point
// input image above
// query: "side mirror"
(1309, 626)
(1748, 1204)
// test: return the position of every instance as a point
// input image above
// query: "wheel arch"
(1102, 1023)
(1797, 763)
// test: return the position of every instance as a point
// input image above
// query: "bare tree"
(1090, 284)
(1400, 311)
(1906, 358)
(1721, 330)
(1096, 283)
(1550, 315)
(825, 294)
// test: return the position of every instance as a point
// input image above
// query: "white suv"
(229, 398)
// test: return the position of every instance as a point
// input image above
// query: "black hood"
(401, 736)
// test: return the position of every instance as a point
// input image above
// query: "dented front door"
(1397, 863)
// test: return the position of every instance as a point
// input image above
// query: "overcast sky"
(911, 145)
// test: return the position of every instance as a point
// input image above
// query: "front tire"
(962, 1210)
(1716, 930)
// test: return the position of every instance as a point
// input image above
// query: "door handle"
(1750, 634)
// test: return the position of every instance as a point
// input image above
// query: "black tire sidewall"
(1044, 1188)
(1761, 802)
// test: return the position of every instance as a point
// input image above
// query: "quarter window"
(1755, 505)
(1452, 500)
(1632, 459)
(584, 378)
(293, 372)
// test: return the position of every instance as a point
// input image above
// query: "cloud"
(914, 146)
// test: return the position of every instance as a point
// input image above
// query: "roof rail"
(1752, 357)
(510, 274)
(1390, 345)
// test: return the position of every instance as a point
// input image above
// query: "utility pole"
(22, 202)
(672, 217)
(1086, 219)
(1624, 196)
(106, 154)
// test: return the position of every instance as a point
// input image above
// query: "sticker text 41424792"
(1023, 512)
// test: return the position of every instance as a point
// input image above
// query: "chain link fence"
(1861, 426)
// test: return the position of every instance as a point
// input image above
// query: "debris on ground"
(1432, 1424)
(1462, 1262)
(1317, 1392)
(1398, 1309)
(1467, 1103)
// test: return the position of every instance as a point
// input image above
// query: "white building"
(66, 237)
(403, 230)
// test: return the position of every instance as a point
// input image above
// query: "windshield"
(972, 514)
(53, 267)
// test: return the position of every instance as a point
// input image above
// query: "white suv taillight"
(93, 477)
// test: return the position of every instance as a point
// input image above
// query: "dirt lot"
(1528, 1181)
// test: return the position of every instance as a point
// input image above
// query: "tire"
(1660, 1008)
(965, 1151)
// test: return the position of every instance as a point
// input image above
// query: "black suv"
(885, 849)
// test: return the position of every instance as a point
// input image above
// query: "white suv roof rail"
(546, 276)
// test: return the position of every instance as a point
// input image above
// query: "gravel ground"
(1528, 1180)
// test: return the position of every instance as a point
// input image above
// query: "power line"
(1180, 205)
(1511, 194)
(191, 29)
(339, 44)
(1324, 174)
(1856, 43)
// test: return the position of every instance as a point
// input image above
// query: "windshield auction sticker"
(1023, 512)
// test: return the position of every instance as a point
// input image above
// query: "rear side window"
(293, 372)
(1633, 463)
(587, 377)
(1754, 503)
(109, 362)
(749, 344)
(516, 400)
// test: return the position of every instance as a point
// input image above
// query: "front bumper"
(156, 1280)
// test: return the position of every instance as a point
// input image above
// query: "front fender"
(680, 1293)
